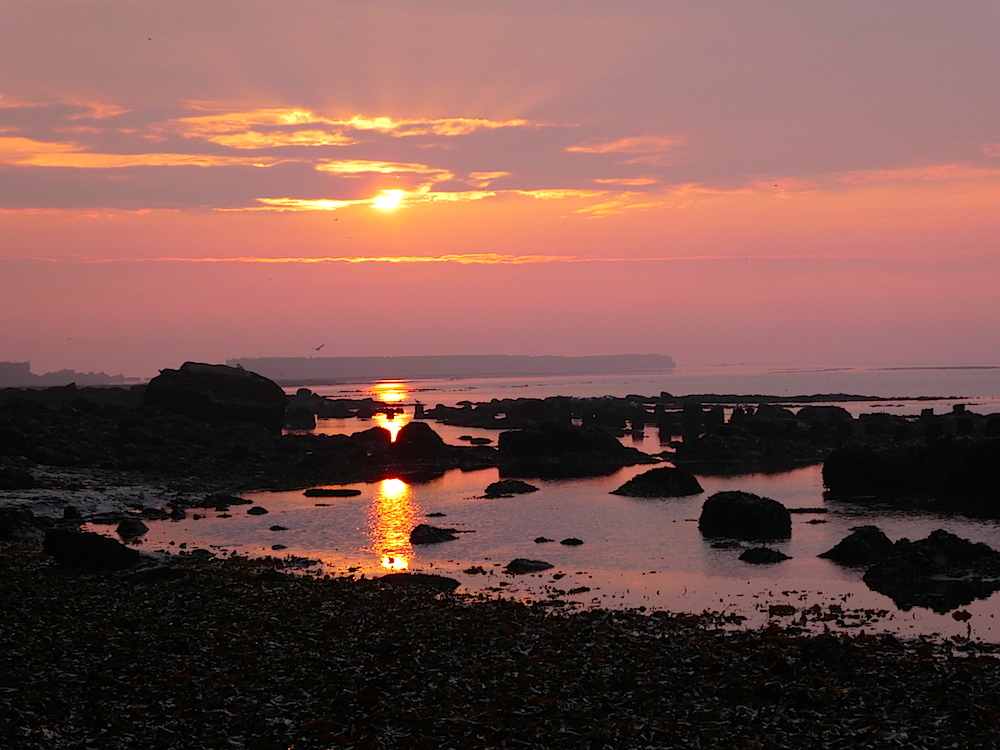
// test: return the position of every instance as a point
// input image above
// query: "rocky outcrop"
(425, 534)
(520, 566)
(217, 393)
(508, 488)
(763, 556)
(941, 572)
(86, 548)
(743, 515)
(426, 581)
(733, 450)
(865, 545)
(665, 481)
(562, 450)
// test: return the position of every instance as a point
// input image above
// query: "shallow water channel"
(636, 552)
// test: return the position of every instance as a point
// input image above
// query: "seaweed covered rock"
(763, 556)
(520, 566)
(426, 581)
(743, 515)
(563, 450)
(941, 572)
(218, 393)
(865, 545)
(665, 481)
(508, 488)
(425, 534)
(86, 548)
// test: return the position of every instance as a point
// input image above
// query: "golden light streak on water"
(390, 391)
(391, 517)
(393, 424)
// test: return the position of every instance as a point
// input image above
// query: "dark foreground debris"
(228, 657)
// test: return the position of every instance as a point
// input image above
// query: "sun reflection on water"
(393, 424)
(390, 391)
(391, 516)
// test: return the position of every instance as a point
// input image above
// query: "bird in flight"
(317, 348)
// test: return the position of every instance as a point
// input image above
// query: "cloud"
(483, 179)
(362, 166)
(626, 181)
(991, 149)
(931, 173)
(27, 152)
(635, 145)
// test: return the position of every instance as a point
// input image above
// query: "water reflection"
(390, 391)
(391, 516)
(393, 423)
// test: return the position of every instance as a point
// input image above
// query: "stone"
(520, 566)
(218, 393)
(299, 417)
(130, 528)
(19, 524)
(763, 556)
(16, 478)
(85, 548)
(553, 449)
(864, 546)
(508, 488)
(743, 515)
(331, 492)
(665, 481)
(425, 534)
(257, 510)
(571, 541)
(426, 581)
(543, 539)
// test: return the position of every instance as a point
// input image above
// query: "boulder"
(218, 393)
(417, 440)
(571, 541)
(553, 449)
(864, 546)
(16, 478)
(425, 534)
(19, 523)
(331, 492)
(88, 549)
(743, 515)
(520, 566)
(425, 581)
(665, 481)
(299, 417)
(941, 572)
(508, 488)
(130, 528)
(763, 556)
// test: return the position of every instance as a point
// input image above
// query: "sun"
(388, 200)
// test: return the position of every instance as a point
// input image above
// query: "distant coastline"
(289, 371)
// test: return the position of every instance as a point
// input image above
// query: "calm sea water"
(636, 552)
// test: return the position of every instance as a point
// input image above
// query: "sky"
(773, 182)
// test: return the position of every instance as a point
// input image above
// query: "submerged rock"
(665, 481)
(520, 566)
(763, 556)
(864, 546)
(425, 534)
(130, 528)
(572, 541)
(743, 515)
(508, 488)
(420, 580)
(331, 492)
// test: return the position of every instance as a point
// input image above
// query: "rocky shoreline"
(240, 654)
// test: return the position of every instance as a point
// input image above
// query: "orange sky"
(774, 183)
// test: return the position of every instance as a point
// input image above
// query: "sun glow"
(388, 200)
(391, 517)
(393, 424)
(390, 391)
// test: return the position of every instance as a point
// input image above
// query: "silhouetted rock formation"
(508, 488)
(865, 545)
(743, 515)
(560, 450)
(86, 548)
(763, 556)
(217, 393)
(665, 481)
(941, 572)
(424, 534)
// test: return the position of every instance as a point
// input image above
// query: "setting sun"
(388, 200)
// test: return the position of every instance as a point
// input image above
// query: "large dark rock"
(426, 581)
(732, 450)
(743, 515)
(563, 450)
(417, 440)
(425, 534)
(89, 549)
(521, 565)
(864, 546)
(665, 481)
(941, 572)
(299, 417)
(16, 478)
(763, 556)
(19, 523)
(508, 488)
(217, 393)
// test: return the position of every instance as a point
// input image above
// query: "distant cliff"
(316, 370)
(19, 375)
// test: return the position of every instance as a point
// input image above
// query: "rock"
(88, 549)
(864, 546)
(508, 488)
(19, 523)
(543, 539)
(328, 492)
(665, 481)
(424, 534)
(941, 572)
(552, 449)
(420, 580)
(299, 417)
(277, 547)
(571, 541)
(130, 528)
(520, 565)
(743, 515)
(480, 441)
(279, 528)
(177, 514)
(218, 393)
(71, 513)
(417, 440)
(257, 510)
(16, 478)
(763, 556)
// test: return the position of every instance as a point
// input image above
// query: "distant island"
(331, 370)
(19, 375)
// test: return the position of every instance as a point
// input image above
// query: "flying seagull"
(317, 348)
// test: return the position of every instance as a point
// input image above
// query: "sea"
(636, 553)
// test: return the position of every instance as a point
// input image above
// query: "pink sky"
(769, 182)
